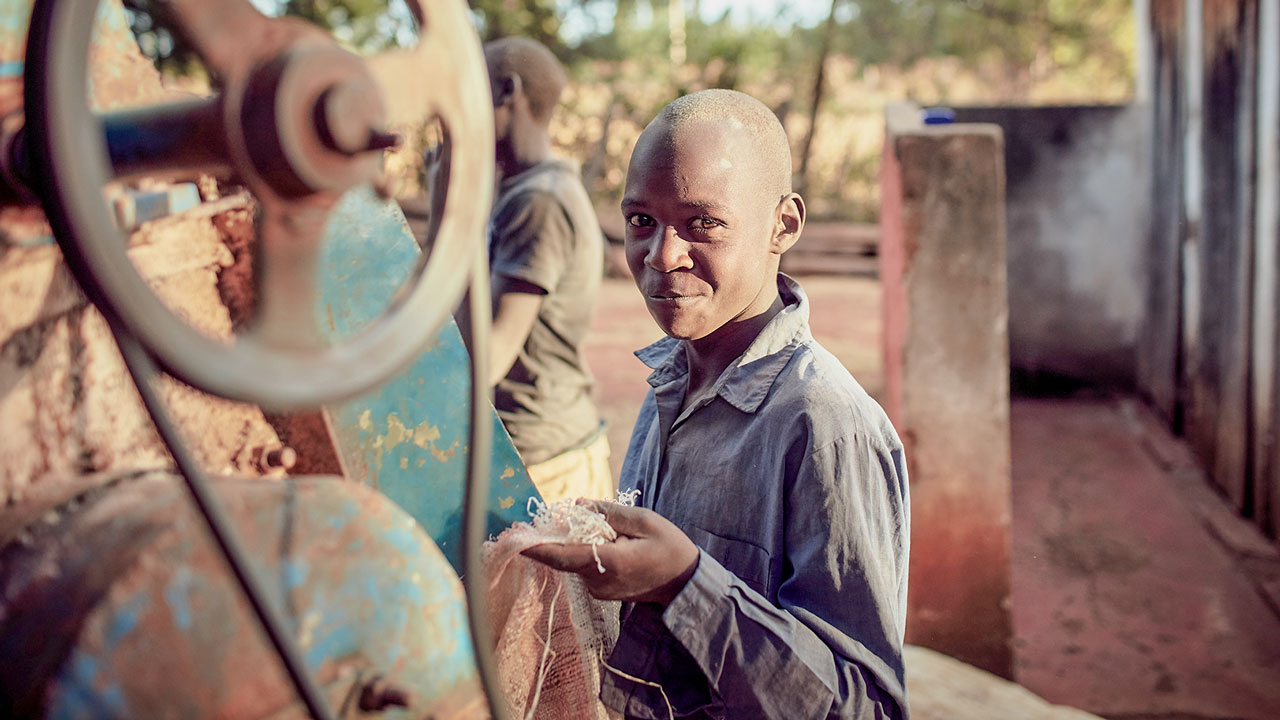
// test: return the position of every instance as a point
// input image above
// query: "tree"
(816, 98)
(365, 26)
(535, 19)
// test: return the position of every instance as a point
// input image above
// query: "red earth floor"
(1137, 594)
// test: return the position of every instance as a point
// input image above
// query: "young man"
(766, 573)
(546, 253)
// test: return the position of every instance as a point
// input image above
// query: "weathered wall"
(947, 379)
(1208, 355)
(1077, 199)
(1159, 357)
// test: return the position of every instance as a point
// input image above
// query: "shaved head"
(709, 212)
(541, 75)
(730, 111)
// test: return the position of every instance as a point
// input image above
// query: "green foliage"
(362, 25)
(1032, 36)
(536, 19)
(623, 56)
(365, 25)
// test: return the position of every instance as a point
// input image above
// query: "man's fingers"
(627, 520)
(574, 558)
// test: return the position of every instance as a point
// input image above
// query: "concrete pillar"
(947, 377)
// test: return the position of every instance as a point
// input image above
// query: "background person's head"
(526, 80)
(709, 212)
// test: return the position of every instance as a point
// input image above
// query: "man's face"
(699, 229)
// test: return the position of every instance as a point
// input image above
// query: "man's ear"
(508, 86)
(790, 222)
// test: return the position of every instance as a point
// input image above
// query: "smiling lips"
(671, 292)
(670, 296)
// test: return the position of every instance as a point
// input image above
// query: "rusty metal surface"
(117, 605)
(66, 405)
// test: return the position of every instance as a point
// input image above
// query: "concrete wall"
(946, 371)
(1077, 214)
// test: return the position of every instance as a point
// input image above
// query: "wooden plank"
(1192, 208)
(1217, 418)
(1265, 372)
(1159, 353)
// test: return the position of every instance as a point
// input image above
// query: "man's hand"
(649, 562)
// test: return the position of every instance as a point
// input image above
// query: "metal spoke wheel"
(298, 121)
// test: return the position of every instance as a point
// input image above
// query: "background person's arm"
(515, 309)
(530, 253)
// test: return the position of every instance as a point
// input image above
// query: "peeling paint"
(177, 595)
(431, 398)
(396, 432)
(126, 619)
(506, 502)
(444, 455)
(306, 629)
(294, 572)
(425, 435)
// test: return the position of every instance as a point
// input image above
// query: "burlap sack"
(552, 636)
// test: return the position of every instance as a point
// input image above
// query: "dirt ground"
(1137, 593)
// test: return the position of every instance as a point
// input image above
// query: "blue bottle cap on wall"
(938, 116)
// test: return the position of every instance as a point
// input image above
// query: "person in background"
(546, 254)
(765, 573)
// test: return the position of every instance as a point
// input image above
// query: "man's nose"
(669, 252)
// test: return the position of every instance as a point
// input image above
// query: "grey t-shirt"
(543, 230)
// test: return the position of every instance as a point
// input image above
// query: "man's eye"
(705, 223)
(640, 220)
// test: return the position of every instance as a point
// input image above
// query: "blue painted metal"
(408, 439)
(134, 207)
(122, 608)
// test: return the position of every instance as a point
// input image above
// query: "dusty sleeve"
(532, 240)
(832, 648)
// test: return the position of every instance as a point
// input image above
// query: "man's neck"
(524, 149)
(709, 356)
